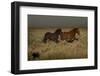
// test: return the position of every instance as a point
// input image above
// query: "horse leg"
(76, 38)
(56, 40)
(70, 40)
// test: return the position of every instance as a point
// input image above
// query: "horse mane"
(58, 31)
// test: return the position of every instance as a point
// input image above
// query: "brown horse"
(71, 35)
(52, 36)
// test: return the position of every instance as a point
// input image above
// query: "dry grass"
(52, 50)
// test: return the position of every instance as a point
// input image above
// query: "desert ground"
(51, 50)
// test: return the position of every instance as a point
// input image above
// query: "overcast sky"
(56, 21)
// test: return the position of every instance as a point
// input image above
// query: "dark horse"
(71, 35)
(52, 36)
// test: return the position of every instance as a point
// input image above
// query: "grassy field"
(52, 50)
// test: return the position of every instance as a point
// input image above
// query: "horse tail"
(44, 39)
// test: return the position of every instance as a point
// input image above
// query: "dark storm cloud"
(56, 21)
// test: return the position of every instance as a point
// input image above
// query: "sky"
(37, 21)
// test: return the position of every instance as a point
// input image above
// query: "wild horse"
(52, 36)
(71, 35)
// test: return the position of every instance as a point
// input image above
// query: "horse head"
(76, 30)
(58, 31)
